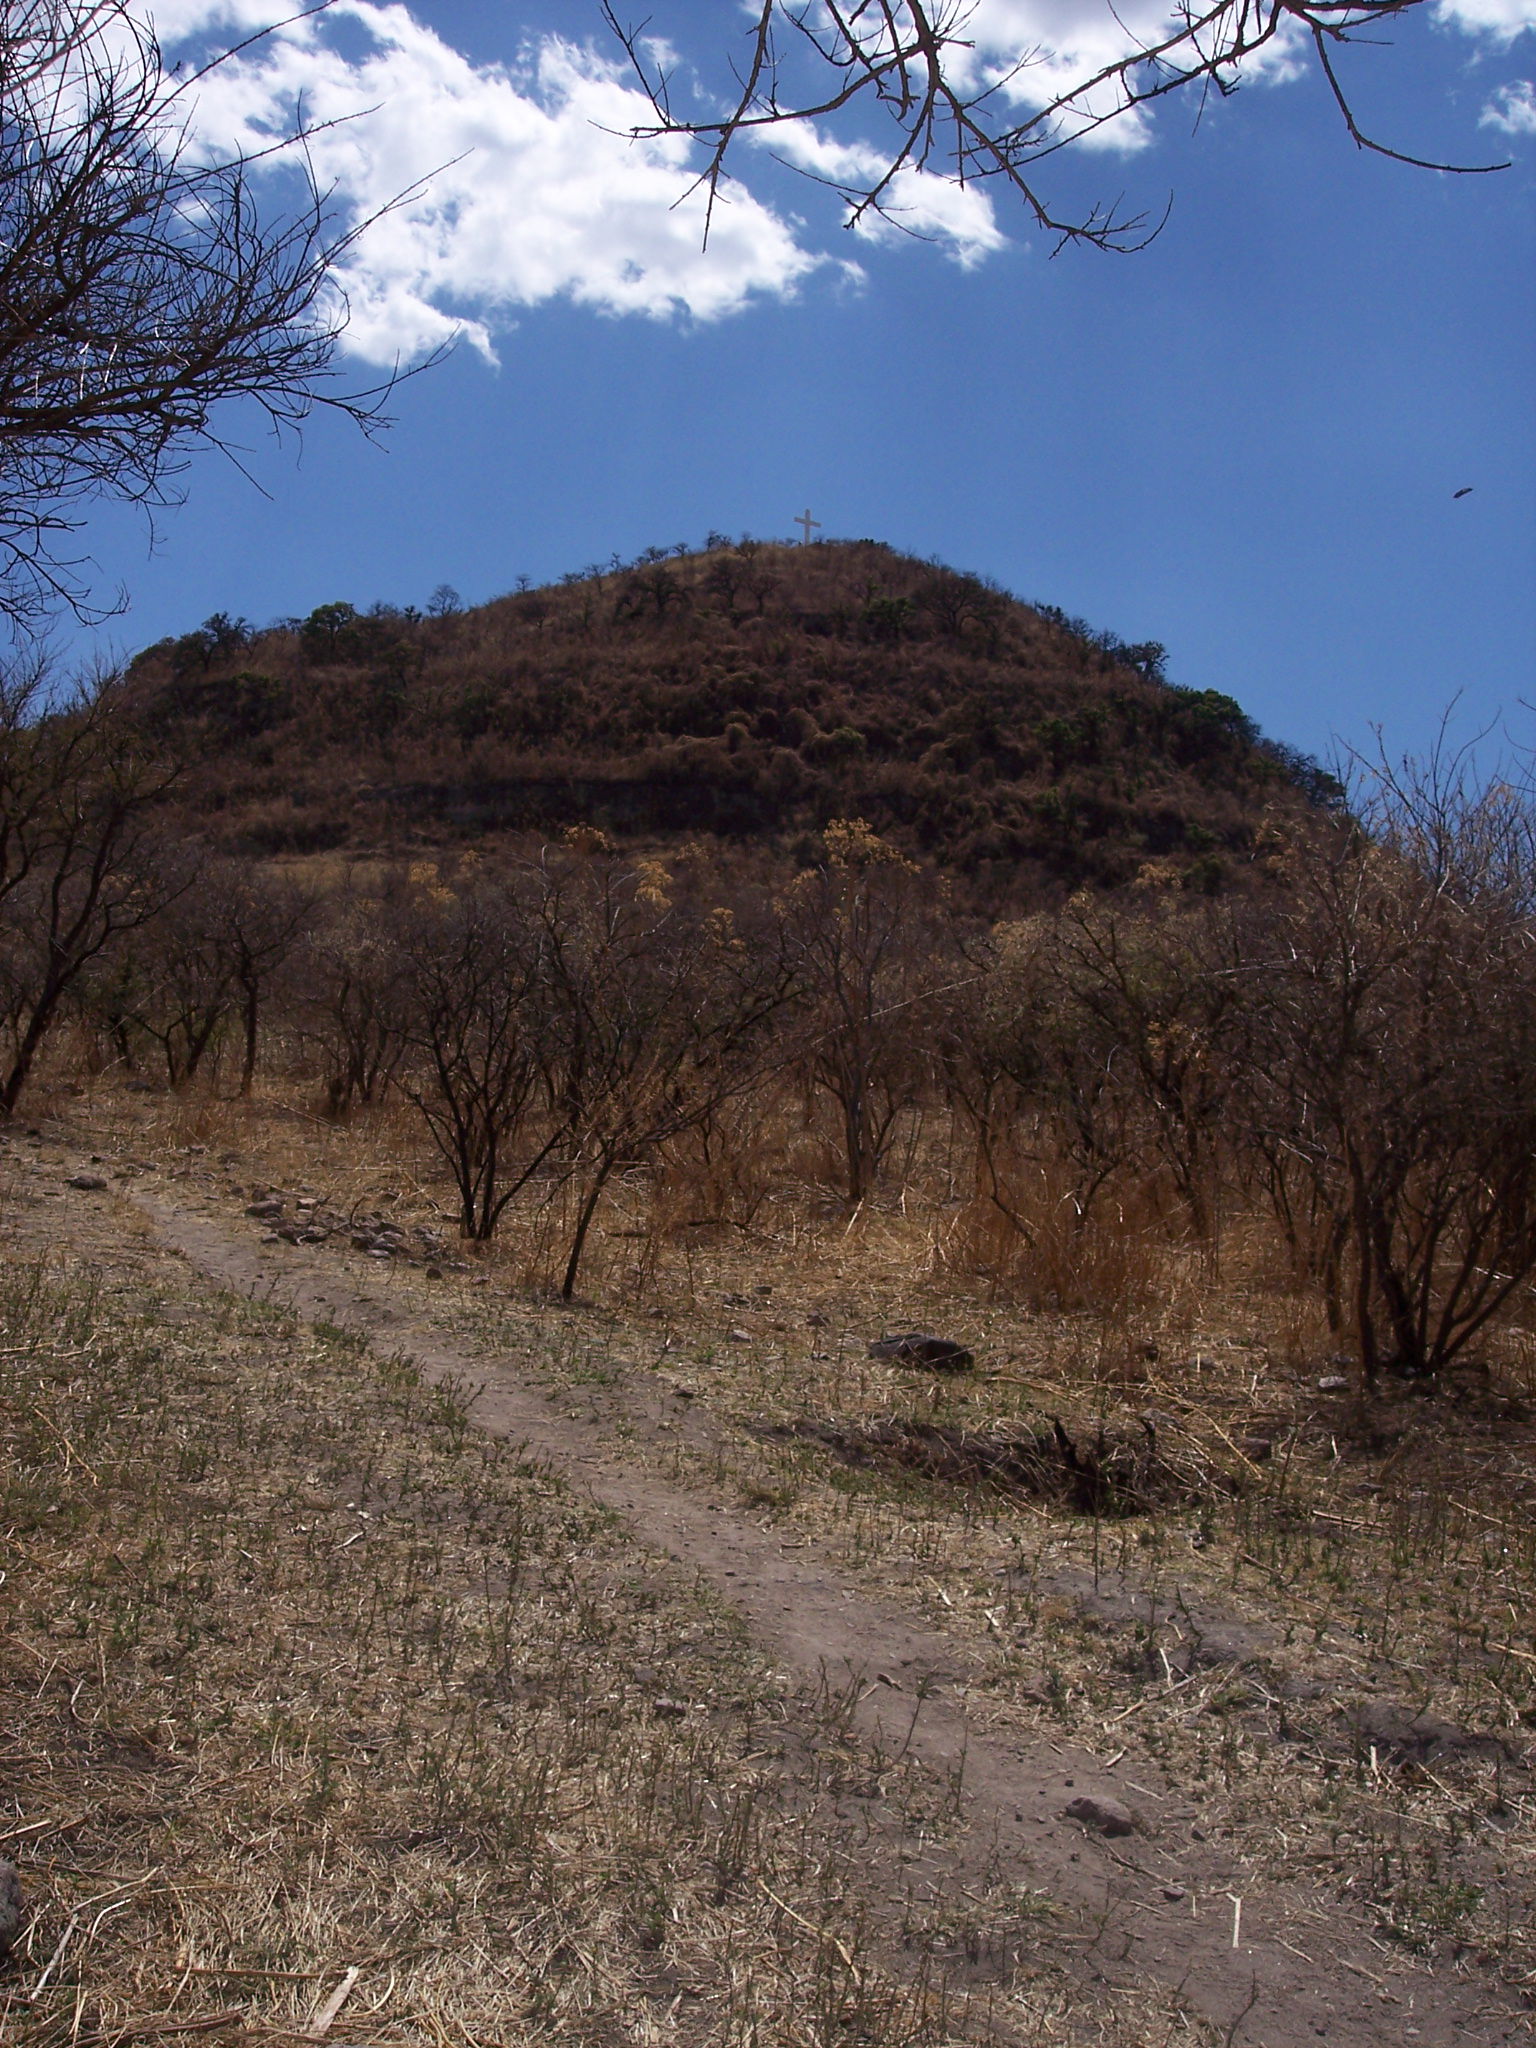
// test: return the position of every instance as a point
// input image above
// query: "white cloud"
(524, 184)
(916, 202)
(1498, 20)
(1034, 52)
(1513, 108)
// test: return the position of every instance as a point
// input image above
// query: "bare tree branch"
(141, 286)
(916, 62)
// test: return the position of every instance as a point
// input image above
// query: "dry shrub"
(1038, 1243)
(723, 1173)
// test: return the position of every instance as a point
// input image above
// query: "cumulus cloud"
(915, 202)
(1035, 52)
(1497, 20)
(1513, 108)
(522, 183)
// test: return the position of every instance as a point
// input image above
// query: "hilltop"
(748, 691)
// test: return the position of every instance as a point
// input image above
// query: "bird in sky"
(1465, 491)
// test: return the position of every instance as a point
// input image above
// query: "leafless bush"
(77, 791)
(1388, 1074)
(344, 996)
(873, 954)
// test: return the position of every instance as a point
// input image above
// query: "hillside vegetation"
(749, 691)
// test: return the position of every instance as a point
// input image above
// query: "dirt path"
(1160, 1906)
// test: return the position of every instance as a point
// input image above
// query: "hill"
(749, 691)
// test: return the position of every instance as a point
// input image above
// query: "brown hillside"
(748, 691)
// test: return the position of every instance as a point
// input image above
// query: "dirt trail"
(1280, 1971)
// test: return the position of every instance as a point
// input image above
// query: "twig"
(54, 1960)
(138, 2030)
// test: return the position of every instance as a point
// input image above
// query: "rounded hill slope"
(749, 691)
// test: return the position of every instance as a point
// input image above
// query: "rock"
(434, 1273)
(1094, 1810)
(1255, 1448)
(816, 1320)
(669, 1710)
(922, 1348)
(738, 1337)
(1333, 1383)
(11, 1907)
(93, 1183)
(267, 1207)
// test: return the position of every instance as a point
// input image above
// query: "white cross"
(804, 519)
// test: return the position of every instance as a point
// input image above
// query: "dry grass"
(1245, 1649)
(304, 1676)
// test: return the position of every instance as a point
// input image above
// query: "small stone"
(380, 1251)
(738, 1337)
(923, 1348)
(93, 1183)
(1333, 1383)
(1255, 1448)
(668, 1709)
(816, 1320)
(1094, 1810)
(683, 1393)
(270, 1205)
(434, 1272)
(12, 1909)
(1174, 1892)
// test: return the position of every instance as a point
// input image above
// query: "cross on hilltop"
(807, 522)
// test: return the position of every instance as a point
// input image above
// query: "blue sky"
(1243, 441)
